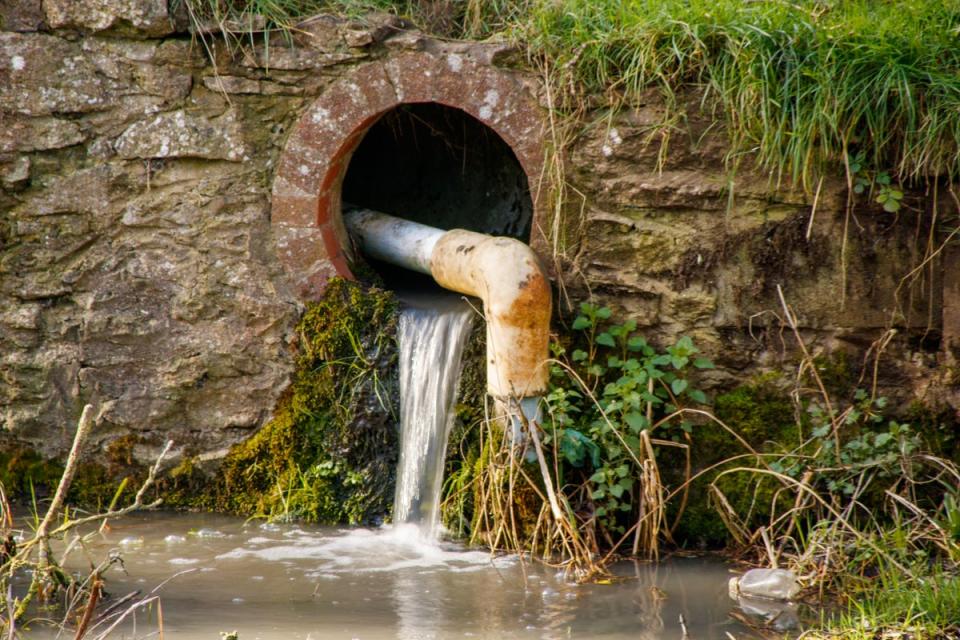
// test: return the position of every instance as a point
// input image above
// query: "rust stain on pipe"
(507, 275)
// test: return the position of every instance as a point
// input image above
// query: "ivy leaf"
(579, 355)
(678, 386)
(606, 340)
(616, 490)
(636, 343)
(697, 396)
(882, 439)
(703, 363)
(636, 421)
(604, 313)
(582, 322)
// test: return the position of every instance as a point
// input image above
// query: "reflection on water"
(288, 581)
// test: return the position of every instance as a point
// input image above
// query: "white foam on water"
(388, 549)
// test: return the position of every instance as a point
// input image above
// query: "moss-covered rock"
(329, 454)
(26, 475)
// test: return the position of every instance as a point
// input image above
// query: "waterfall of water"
(432, 334)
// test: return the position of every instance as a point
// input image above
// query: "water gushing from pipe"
(433, 331)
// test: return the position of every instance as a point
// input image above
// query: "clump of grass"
(801, 83)
(894, 607)
(453, 18)
(862, 509)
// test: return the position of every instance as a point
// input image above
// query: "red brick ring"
(305, 214)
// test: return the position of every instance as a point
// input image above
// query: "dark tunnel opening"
(439, 166)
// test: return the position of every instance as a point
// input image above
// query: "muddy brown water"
(269, 582)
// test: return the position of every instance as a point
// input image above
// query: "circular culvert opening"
(442, 167)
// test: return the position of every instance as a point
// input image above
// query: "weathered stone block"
(286, 59)
(21, 15)
(180, 134)
(231, 84)
(15, 173)
(37, 134)
(150, 17)
(43, 75)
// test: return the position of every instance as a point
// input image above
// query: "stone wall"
(139, 269)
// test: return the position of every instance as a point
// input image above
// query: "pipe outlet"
(503, 272)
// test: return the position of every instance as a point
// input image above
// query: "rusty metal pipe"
(504, 273)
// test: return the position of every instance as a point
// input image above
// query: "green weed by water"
(889, 606)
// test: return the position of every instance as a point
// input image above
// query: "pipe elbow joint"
(507, 276)
(504, 273)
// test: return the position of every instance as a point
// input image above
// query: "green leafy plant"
(606, 402)
(879, 183)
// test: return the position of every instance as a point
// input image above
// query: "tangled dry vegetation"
(33, 580)
(860, 506)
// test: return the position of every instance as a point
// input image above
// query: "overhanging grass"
(800, 83)
(920, 609)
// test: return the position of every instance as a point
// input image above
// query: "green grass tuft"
(801, 84)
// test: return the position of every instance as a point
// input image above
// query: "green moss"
(329, 453)
(23, 471)
(25, 474)
(463, 448)
(837, 373)
(762, 414)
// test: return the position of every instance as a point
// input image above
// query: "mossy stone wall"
(138, 269)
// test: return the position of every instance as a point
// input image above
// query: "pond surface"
(300, 582)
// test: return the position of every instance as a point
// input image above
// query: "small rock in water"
(174, 539)
(132, 541)
(209, 533)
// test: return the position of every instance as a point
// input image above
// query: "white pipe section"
(504, 273)
(394, 240)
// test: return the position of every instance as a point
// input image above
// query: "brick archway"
(305, 215)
